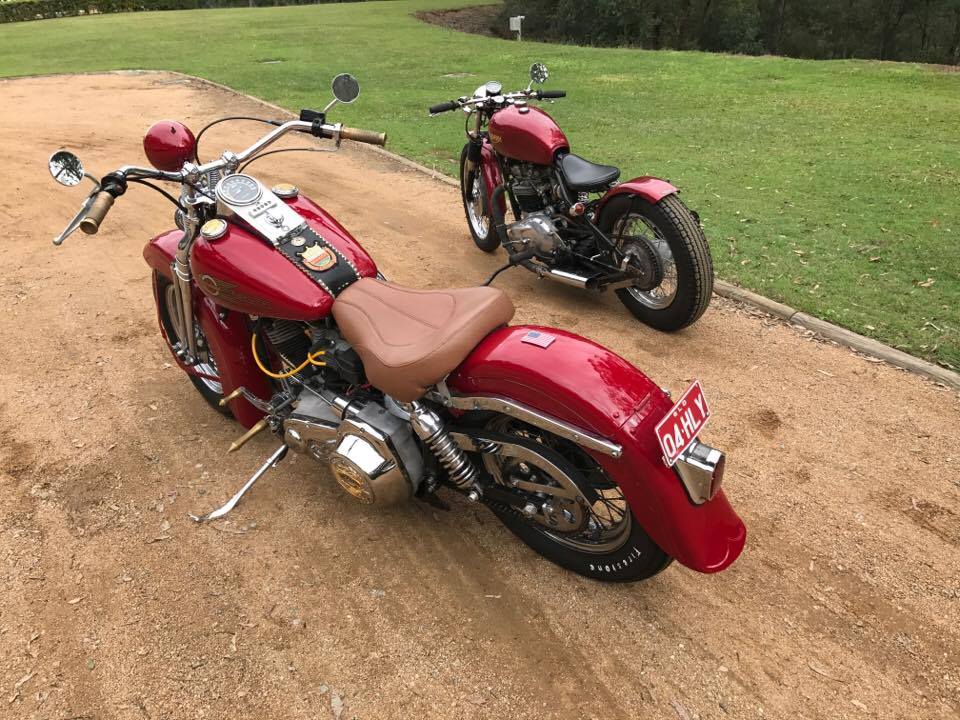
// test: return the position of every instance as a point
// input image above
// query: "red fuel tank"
(530, 136)
(243, 272)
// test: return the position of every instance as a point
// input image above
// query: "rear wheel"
(589, 528)
(208, 386)
(664, 239)
(476, 205)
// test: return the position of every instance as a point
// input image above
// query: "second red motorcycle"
(584, 227)
(280, 318)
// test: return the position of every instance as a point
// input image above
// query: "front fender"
(584, 384)
(490, 172)
(226, 332)
(651, 189)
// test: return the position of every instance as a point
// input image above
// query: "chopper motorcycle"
(280, 318)
(589, 231)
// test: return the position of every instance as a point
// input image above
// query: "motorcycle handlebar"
(547, 94)
(98, 210)
(364, 136)
(443, 107)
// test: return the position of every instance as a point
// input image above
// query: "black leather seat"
(584, 176)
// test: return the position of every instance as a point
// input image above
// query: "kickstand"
(232, 502)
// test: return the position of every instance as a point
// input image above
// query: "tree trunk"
(955, 41)
(888, 38)
(781, 17)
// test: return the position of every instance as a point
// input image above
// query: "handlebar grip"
(98, 210)
(444, 107)
(364, 136)
(548, 94)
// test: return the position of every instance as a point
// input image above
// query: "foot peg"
(272, 461)
(224, 401)
(262, 424)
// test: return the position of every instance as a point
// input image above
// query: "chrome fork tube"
(183, 279)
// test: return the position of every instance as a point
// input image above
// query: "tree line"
(908, 30)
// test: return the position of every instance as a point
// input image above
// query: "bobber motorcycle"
(279, 317)
(588, 229)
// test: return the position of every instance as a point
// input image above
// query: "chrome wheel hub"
(639, 237)
(586, 512)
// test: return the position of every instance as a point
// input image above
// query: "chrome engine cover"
(537, 230)
(372, 452)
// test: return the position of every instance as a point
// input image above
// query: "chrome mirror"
(538, 73)
(66, 168)
(346, 89)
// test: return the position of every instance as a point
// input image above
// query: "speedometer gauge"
(239, 190)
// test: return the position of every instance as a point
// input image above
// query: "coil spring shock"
(429, 428)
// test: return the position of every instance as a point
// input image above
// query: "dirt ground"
(113, 604)
(477, 19)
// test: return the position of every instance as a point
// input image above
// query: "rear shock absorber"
(430, 429)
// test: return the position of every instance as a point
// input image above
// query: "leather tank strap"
(319, 260)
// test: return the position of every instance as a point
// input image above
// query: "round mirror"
(538, 73)
(346, 89)
(66, 168)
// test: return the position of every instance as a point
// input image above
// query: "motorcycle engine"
(372, 452)
(531, 186)
(536, 230)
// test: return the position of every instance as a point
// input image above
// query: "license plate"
(680, 426)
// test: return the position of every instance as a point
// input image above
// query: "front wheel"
(665, 237)
(208, 386)
(584, 522)
(476, 205)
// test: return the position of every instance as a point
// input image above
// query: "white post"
(515, 23)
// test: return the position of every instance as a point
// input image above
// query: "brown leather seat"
(411, 339)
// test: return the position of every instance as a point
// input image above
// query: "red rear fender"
(651, 189)
(584, 384)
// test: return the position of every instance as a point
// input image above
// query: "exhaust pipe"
(565, 278)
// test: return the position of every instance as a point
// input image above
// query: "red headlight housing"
(169, 144)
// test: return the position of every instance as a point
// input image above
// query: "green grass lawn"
(831, 186)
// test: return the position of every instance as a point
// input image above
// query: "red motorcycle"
(279, 317)
(587, 230)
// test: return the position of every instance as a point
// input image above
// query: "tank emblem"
(209, 285)
(319, 258)
(495, 138)
(298, 241)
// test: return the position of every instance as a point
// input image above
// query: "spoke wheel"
(476, 206)
(210, 387)
(473, 201)
(587, 512)
(637, 237)
(667, 253)
(208, 364)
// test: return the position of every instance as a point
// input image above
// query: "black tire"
(691, 255)
(489, 241)
(209, 393)
(634, 556)
(639, 559)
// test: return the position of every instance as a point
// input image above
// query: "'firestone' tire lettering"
(634, 554)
